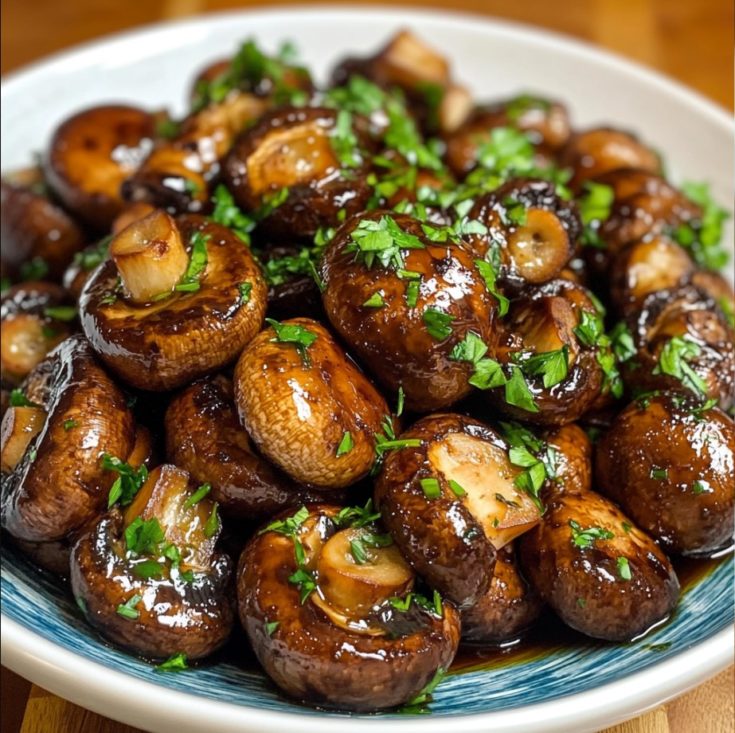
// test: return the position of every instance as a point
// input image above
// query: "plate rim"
(106, 690)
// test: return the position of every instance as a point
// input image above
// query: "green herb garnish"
(438, 323)
(346, 444)
(173, 664)
(189, 283)
(128, 481)
(292, 333)
(586, 538)
(128, 610)
(624, 568)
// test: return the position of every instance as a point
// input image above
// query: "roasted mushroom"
(176, 175)
(150, 579)
(327, 604)
(508, 608)
(92, 153)
(545, 123)
(204, 437)
(52, 445)
(403, 302)
(601, 574)
(39, 238)
(34, 317)
(304, 166)
(551, 350)
(448, 494)
(644, 267)
(531, 232)
(177, 299)
(681, 488)
(306, 405)
(592, 153)
(683, 342)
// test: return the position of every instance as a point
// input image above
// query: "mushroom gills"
(20, 426)
(487, 478)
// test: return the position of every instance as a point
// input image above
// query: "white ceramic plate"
(154, 67)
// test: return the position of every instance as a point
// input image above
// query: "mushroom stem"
(20, 425)
(150, 256)
(407, 60)
(454, 108)
(548, 325)
(540, 246)
(354, 575)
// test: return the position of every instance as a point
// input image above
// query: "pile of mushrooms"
(371, 368)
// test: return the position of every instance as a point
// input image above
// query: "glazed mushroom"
(292, 289)
(572, 452)
(544, 122)
(305, 165)
(204, 437)
(151, 579)
(531, 232)
(54, 556)
(591, 153)
(645, 267)
(306, 405)
(176, 175)
(680, 489)
(34, 317)
(406, 62)
(449, 495)
(552, 350)
(177, 300)
(404, 303)
(507, 610)
(330, 611)
(39, 237)
(92, 153)
(643, 205)
(52, 445)
(601, 574)
(683, 342)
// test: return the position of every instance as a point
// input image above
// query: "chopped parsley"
(69, 424)
(148, 569)
(34, 269)
(659, 474)
(674, 360)
(489, 275)
(386, 440)
(60, 312)
(128, 481)
(18, 399)
(418, 703)
(189, 283)
(271, 626)
(293, 333)
(374, 301)
(403, 136)
(198, 495)
(359, 546)
(128, 610)
(701, 487)
(245, 289)
(355, 516)
(431, 488)
(290, 526)
(344, 141)
(401, 401)
(594, 208)
(456, 488)
(552, 366)
(212, 525)
(357, 95)
(382, 241)
(412, 293)
(586, 538)
(438, 323)
(590, 332)
(93, 256)
(305, 581)
(174, 663)
(624, 570)
(144, 537)
(346, 444)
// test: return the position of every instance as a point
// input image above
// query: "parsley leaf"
(290, 526)
(586, 538)
(128, 481)
(674, 360)
(418, 703)
(381, 241)
(189, 283)
(174, 663)
(353, 516)
(346, 444)
(488, 274)
(198, 495)
(344, 141)
(128, 610)
(551, 365)
(594, 208)
(293, 333)
(18, 399)
(430, 487)
(624, 568)
(438, 323)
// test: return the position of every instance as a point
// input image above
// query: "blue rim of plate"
(44, 605)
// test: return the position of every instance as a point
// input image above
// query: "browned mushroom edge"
(379, 657)
(166, 344)
(151, 580)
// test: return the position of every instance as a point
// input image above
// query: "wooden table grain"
(690, 40)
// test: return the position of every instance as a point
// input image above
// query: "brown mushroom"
(551, 353)
(204, 437)
(681, 488)
(572, 451)
(330, 614)
(531, 232)
(405, 308)
(306, 405)
(312, 161)
(34, 317)
(683, 342)
(196, 324)
(76, 415)
(447, 492)
(39, 237)
(601, 574)
(508, 608)
(90, 155)
(151, 579)
(545, 123)
(591, 153)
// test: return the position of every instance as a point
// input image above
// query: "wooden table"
(690, 40)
